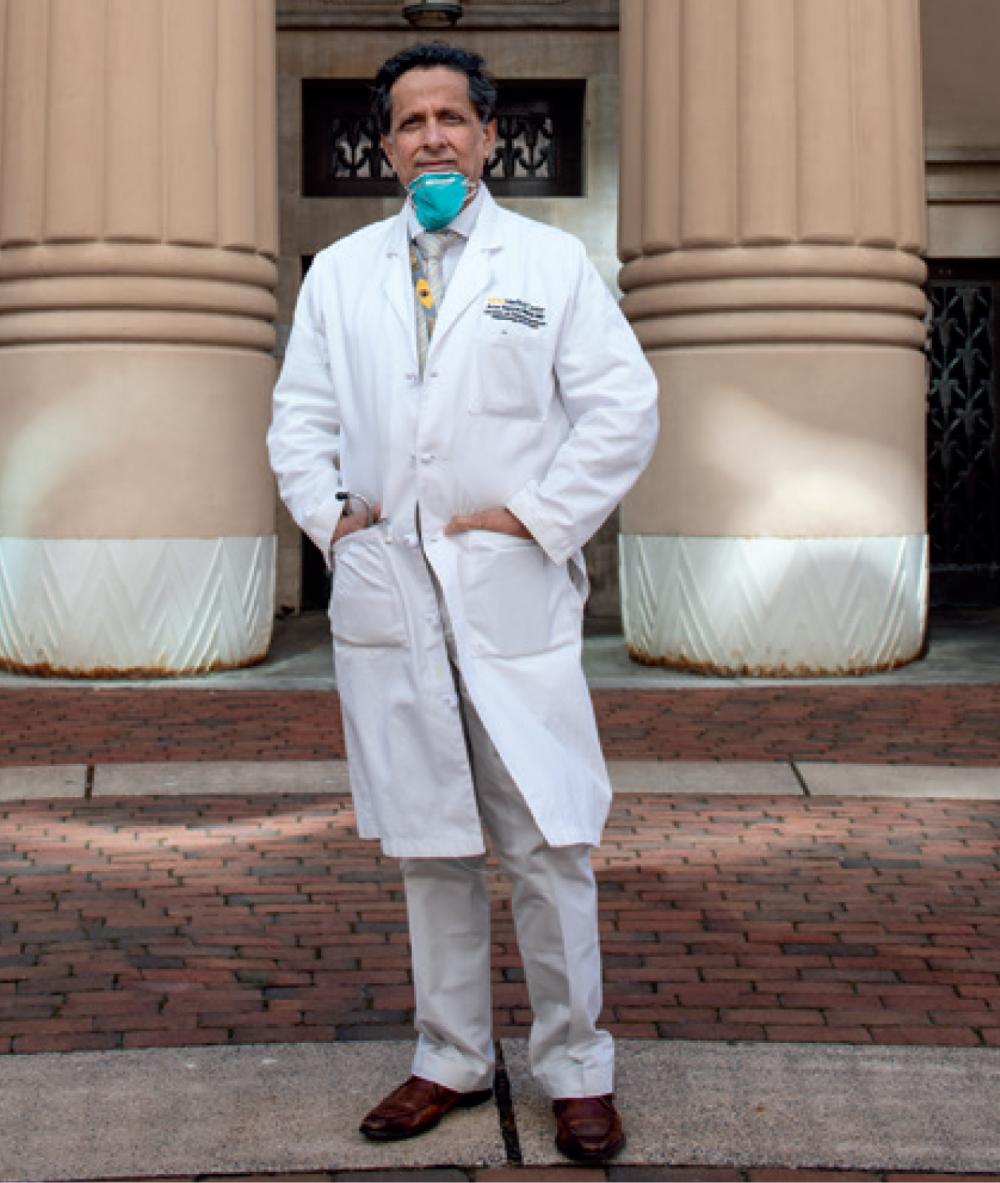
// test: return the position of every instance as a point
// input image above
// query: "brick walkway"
(177, 921)
(861, 723)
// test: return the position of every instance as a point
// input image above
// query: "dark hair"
(482, 88)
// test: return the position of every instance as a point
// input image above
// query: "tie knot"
(433, 243)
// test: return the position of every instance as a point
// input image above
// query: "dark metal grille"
(355, 149)
(538, 153)
(524, 147)
(539, 148)
(341, 153)
(963, 441)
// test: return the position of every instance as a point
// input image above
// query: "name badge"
(511, 311)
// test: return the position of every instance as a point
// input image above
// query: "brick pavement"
(150, 921)
(861, 722)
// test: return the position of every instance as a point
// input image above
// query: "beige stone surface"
(237, 777)
(962, 126)
(809, 441)
(772, 214)
(782, 1105)
(134, 441)
(138, 221)
(742, 132)
(703, 777)
(958, 50)
(900, 780)
(42, 782)
(961, 230)
(269, 1109)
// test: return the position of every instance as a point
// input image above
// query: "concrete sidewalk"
(721, 1111)
(963, 648)
(698, 778)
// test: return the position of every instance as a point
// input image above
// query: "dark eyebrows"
(444, 112)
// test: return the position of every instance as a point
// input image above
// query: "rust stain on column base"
(800, 670)
(44, 669)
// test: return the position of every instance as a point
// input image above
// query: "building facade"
(772, 175)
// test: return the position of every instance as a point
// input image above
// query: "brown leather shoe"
(415, 1107)
(588, 1129)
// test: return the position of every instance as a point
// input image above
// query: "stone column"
(772, 215)
(137, 248)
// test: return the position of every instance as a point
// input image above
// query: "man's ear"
(489, 138)
(387, 150)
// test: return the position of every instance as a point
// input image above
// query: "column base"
(775, 607)
(145, 607)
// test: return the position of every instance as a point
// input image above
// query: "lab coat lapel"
(397, 280)
(474, 271)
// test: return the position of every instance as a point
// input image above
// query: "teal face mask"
(438, 197)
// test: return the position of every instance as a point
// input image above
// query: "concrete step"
(671, 777)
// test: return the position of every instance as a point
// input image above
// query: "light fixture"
(433, 14)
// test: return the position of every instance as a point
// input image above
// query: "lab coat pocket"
(514, 372)
(517, 601)
(365, 603)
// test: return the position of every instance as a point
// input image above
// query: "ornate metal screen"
(538, 152)
(341, 156)
(963, 440)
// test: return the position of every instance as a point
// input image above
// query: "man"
(461, 406)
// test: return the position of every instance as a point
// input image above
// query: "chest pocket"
(366, 607)
(513, 368)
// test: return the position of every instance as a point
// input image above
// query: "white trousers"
(554, 901)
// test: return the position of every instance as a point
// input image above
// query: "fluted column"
(137, 248)
(771, 221)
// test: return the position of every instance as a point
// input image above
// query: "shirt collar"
(463, 223)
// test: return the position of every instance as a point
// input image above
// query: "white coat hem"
(429, 849)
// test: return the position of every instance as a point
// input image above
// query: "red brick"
(798, 1016)
(180, 1037)
(790, 1033)
(784, 1175)
(925, 1177)
(542, 1174)
(282, 1034)
(929, 1035)
(725, 1031)
(70, 1042)
(717, 913)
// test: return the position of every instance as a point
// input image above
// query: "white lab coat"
(536, 396)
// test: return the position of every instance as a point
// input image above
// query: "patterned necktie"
(426, 255)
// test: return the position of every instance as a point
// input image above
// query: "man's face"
(434, 126)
